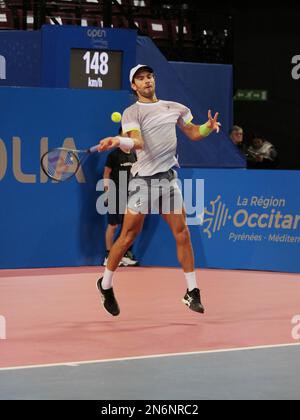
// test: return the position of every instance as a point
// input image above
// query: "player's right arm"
(136, 136)
(136, 142)
(131, 128)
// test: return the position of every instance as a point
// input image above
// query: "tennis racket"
(61, 164)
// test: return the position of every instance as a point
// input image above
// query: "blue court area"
(256, 374)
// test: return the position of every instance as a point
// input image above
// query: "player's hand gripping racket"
(61, 164)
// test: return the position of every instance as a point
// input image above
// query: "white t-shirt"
(157, 123)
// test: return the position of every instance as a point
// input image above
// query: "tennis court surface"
(61, 344)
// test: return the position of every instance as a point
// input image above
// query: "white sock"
(107, 280)
(191, 280)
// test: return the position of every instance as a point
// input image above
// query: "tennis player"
(150, 125)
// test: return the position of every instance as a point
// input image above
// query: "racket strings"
(61, 164)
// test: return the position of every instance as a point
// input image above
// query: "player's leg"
(109, 239)
(180, 230)
(110, 235)
(133, 223)
(132, 226)
(115, 219)
(173, 212)
(185, 254)
(138, 202)
(128, 259)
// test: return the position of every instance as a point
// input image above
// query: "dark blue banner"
(59, 41)
(68, 57)
(251, 221)
(20, 58)
(43, 223)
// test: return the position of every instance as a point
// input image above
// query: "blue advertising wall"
(42, 58)
(251, 221)
(44, 224)
(57, 42)
(252, 218)
(21, 52)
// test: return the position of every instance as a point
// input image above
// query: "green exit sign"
(251, 95)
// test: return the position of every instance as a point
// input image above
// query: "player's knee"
(128, 237)
(183, 236)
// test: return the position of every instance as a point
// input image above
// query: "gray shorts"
(157, 194)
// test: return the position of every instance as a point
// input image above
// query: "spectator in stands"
(261, 154)
(237, 136)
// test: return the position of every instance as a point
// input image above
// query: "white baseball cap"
(136, 69)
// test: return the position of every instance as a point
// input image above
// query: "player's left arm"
(199, 132)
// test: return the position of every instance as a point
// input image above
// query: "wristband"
(205, 130)
(126, 143)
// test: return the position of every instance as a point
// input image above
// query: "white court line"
(153, 356)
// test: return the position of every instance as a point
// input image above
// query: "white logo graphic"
(2, 68)
(296, 329)
(138, 203)
(96, 33)
(264, 214)
(2, 328)
(216, 218)
(159, 196)
(296, 69)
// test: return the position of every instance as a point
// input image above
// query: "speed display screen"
(96, 69)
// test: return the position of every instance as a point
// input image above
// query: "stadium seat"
(6, 19)
(91, 7)
(141, 24)
(119, 21)
(140, 8)
(116, 10)
(29, 19)
(62, 5)
(19, 3)
(92, 20)
(187, 34)
(158, 30)
(61, 19)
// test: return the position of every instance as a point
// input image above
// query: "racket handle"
(94, 149)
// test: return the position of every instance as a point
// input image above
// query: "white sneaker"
(104, 264)
(128, 262)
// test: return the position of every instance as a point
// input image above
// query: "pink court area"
(55, 315)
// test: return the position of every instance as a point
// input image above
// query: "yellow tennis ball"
(116, 117)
